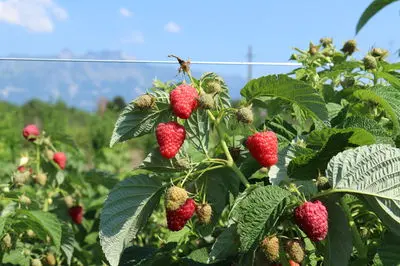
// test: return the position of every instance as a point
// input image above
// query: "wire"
(134, 61)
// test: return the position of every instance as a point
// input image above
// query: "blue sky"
(202, 30)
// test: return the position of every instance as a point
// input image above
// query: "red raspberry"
(60, 159)
(21, 169)
(183, 100)
(293, 263)
(76, 214)
(170, 137)
(312, 218)
(263, 146)
(31, 132)
(177, 219)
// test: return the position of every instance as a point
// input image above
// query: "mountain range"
(82, 84)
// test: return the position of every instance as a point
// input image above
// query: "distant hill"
(82, 84)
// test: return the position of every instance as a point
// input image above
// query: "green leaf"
(333, 110)
(48, 222)
(381, 97)
(259, 211)
(156, 163)
(133, 255)
(282, 128)
(309, 166)
(388, 250)
(2, 224)
(99, 177)
(226, 245)
(394, 81)
(67, 242)
(134, 122)
(125, 212)
(339, 242)
(199, 255)
(294, 91)
(371, 11)
(16, 257)
(373, 172)
(198, 129)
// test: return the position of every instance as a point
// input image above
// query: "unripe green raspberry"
(41, 179)
(21, 178)
(322, 183)
(24, 200)
(348, 82)
(370, 62)
(379, 53)
(325, 42)
(294, 57)
(36, 262)
(30, 233)
(245, 115)
(183, 163)
(270, 247)
(49, 154)
(213, 87)
(313, 50)
(69, 201)
(295, 250)
(349, 47)
(51, 259)
(175, 197)
(7, 241)
(145, 101)
(204, 212)
(206, 101)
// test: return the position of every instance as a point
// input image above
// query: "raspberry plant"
(304, 170)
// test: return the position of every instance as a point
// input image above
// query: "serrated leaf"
(394, 81)
(133, 255)
(199, 255)
(178, 236)
(373, 172)
(99, 177)
(309, 166)
(16, 257)
(294, 91)
(382, 97)
(372, 10)
(339, 242)
(257, 212)
(226, 245)
(198, 130)
(125, 212)
(48, 222)
(156, 163)
(333, 110)
(388, 250)
(134, 122)
(67, 242)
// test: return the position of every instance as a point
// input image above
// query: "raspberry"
(50, 259)
(313, 49)
(245, 115)
(312, 218)
(183, 163)
(206, 101)
(325, 42)
(270, 247)
(69, 201)
(170, 137)
(41, 179)
(177, 219)
(24, 200)
(204, 212)
(21, 169)
(263, 146)
(293, 263)
(145, 101)
(349, 47)
(370, 62)
(175, 197)
(60, 159)
(76, 214)
(379, 53)
(30, 233)
(322, 183)
(49, 154)
(31, 132)
(213, 87)
(183, 100)
(7, 241)
(295, 250)
(36, 262)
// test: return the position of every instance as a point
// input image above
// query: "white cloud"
(125, 12)
(172, 27)
(73, 90)
(136, 37)
(10, 89)
(35, 15)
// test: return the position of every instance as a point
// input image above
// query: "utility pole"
(250, 59)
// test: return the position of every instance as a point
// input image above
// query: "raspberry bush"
(303, 170)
